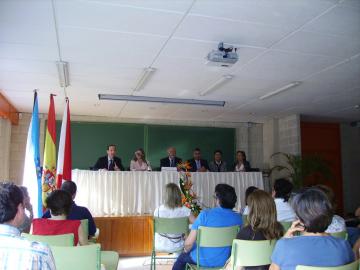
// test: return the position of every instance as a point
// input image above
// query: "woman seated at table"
(172, 208)
(59, 202)
(241, 164)
(139, 162)
(314, 247)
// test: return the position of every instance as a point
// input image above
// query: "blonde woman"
(172, 208)
(139, 162)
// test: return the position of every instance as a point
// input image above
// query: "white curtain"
(107, 193)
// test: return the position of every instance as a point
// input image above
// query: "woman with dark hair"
(281, 193)
(59, 202)
(139, 162)
(241, 164)
(314, 247)
(172, 208)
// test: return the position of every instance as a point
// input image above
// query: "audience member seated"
(59, 202)
(356, 249)
(263, 224)
(220, 216)
(171, 160)
(248, 191)
(314, 247)
(197, 163)
(217, 165)
(139, 162)
(241, 164)
(110, 162)
(25, 227)
(15, 251)
(338, 223)
(172, 208)
(76, 212)
(281, 193)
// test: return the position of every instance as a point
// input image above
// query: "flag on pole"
(32, 169)
(49, 164)
(64, 155)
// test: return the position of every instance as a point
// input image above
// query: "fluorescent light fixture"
(162, 100)
(280, 90)
(145, 75)
(63, 72)
(216, 85)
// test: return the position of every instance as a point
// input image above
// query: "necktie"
(198, 165)
(111, 165)
(171, 162)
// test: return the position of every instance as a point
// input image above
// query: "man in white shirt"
(17, 253)
(281, 193)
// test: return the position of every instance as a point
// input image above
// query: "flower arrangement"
(188, 196)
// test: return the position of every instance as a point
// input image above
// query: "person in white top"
(139, 162)
(337, 223)
(172, 208)
(281, 193)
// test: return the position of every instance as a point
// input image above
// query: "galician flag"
(64, 156)
(32, 170)
(49, 164)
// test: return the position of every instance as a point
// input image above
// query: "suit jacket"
(165, 162)
(203, 163)
(102, 163)
(246, 166)
(214, 168)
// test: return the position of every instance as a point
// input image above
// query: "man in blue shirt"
(76, 212)
(220, 216)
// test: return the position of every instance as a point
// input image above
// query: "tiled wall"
(5, 135)
(289, 135)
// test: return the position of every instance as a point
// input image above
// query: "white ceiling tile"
(316, 43)
(216, 30)
(27, 51)
(125, 18)
(283, 13)
(275, 65)
(341, 21)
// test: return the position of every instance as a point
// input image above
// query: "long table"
(130, 193)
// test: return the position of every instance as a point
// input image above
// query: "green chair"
(351, 266)
(213, 237)
(251, 253)
(110, 259)
(167, 226)
(77, 258)
(342, 235)
(65, 240)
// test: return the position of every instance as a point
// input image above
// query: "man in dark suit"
(109, 162)
(197, 164)
(171, 160)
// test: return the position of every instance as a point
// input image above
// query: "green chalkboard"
(89, 141)
(185, 139)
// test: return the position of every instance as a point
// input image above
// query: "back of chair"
(77, 258)
(171, 225)
(251, 253)
(342, 235)
(216, 236)
(286, 225)
(63, 240)
(351, 266)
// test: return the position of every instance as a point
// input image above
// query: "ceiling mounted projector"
(224, 56)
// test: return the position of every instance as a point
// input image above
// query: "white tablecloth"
(137, 193)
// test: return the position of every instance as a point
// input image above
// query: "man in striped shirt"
(17, 252)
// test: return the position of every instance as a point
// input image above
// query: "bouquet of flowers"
(189, 197)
